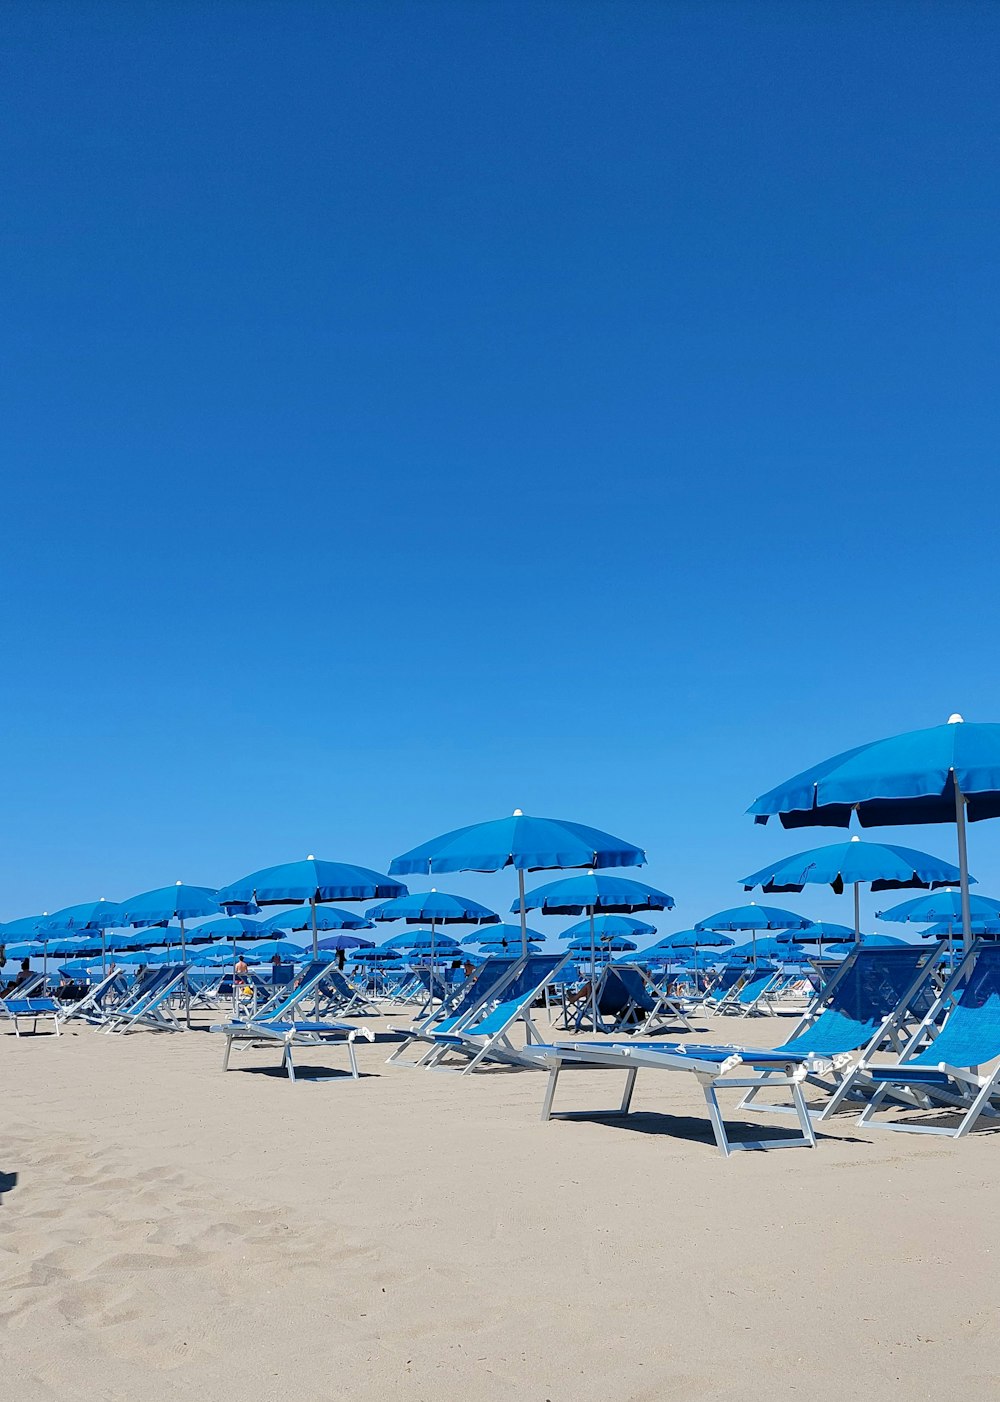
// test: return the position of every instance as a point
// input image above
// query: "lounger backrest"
(869, 990)
(730, 976)
(971, 1033)
(311, 975)
(168, 976)
(518, 994)
(478, 988)
(756, 982)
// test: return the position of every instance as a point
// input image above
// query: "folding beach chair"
(99, 1000)
(729, 979)
(338, 995)
(147, 1005)
(651, 1008)
(939, 1066)
(465, 1004)
(486, 1035)
(712, 1075)
(748, 998)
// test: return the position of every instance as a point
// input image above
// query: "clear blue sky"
(416, 411)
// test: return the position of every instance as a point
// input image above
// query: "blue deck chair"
(147, 1005)
(338, 995)
(713, 1074)
(730, 976)
(943, 1074)
(463, 1007)
(97, 1003)
(486, 1035)
(748, 997)
(652, 1007)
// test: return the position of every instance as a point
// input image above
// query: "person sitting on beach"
(275, 961)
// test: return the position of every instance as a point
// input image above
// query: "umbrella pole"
(187, 991)
(963, 863)
(312, 916)
(857, 914)
(433, 966)
(524, 915)
(593, 972)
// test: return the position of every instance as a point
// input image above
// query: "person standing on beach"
(340, 959)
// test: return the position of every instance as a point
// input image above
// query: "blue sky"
(414, 412)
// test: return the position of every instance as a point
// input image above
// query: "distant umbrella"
(625, 926)
(166, 903)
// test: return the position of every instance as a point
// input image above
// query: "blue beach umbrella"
(285, 949)
(869, 942)
(692, 939)
(979, 927)
(434, 908)
(752, 918)
(944, 774)
(607, 926)
(87, 915)
(816, 932)
(614, 944)
(594, 892)
(26, 928)
(312, 882)
(166, 903)
(493, 946)
(854, 863)
(943, 906)
(343, 940)
(768, 947)
(524, 843)
(504, 935)
(328, 917)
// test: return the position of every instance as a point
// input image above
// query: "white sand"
(175, 1233)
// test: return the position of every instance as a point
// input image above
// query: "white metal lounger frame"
(89, 1006)
(712, 1076)
(46, 1008)
(666, 1009)
(423, 1030)
(291, 1034)
(150, 1011)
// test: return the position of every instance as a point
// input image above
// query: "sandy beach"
(169, 1231)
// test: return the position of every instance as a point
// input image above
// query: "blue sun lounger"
(279, 1023)
(712, 1074)
(337, 995)
(486, 1035)
(748, 997)
(465, 1004)
(34, 1008)
(147, 1006)
(943, 1074)
(628, 1001)
(96, 1004)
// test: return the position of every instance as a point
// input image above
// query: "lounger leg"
(550, 1092)
(289, 1064)
(629, 1088)
(808, 1133)
(977, 1107)
(225, 1057)
(715, 1116)
(873, 1105)
(352, 1058)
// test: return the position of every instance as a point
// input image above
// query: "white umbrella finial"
(178, 883)
(517, 813)
(855, 838)
(956, 719)
(310, 858)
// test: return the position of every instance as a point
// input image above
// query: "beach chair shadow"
(8, 1182)
(313, 1072)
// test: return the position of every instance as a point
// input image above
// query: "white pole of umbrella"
(315, 932)
(963, 862)
(187, 990)
(857, 913)
(524, 913)
(593, 971)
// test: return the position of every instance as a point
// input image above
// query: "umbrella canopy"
(424, 939)
(296, 883)
(753, 917)
(855, 863)
(607, 926)
(166, 903)
(502, 934)
(491, 946)
(614, 944)
(528, 844)
(842, 864)
(229, 927)
(434, 908)
(943, 906)
(344, 941)
(944, 774)
(945, 929)
(816, 932)
(328, 917)
(311, 882)
(869, 942)
(133, 939)
(285, 949)
(61, 947)
(596, 892)
(23, 929)
(768, 948)
(88, 915)
(692, 939)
